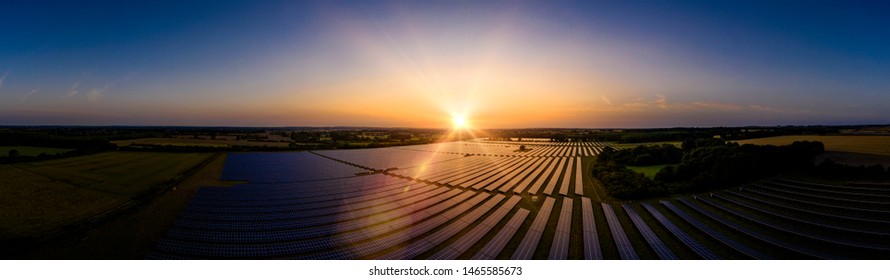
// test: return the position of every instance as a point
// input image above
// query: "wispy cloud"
(606, 100)
(3, 78)
(661, 102)
(96, 94)
(72, 91)
(25, 97)
(717, 106)
(764, 108)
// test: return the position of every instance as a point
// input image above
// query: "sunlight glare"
(460, 122)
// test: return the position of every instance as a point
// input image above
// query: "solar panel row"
(533, 177)
(530, 242)
(655, 243)
(625, 248)
(397, 239)
(515, 179)
(560, 248)
(460, 246)
(713, 233)
(497, 244)
(850, 234)
(344, 212)
(418, 247)
(592, 250)
(818, 235)
(684, 237)
(813, 212)
(351, 202)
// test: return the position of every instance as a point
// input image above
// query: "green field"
(43, 196)
(649, 171)
(622, 146)
(876, 145)
(197, 142)
(31, 151)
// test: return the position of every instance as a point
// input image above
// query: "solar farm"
(491, 200)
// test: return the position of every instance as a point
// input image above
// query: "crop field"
(876, 145)
(42, 196)
(197, 142)
(487, 200)
(621, 146)
(31, 151)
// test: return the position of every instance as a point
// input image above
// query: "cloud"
(764, 108)
(95, 95)
(3, 78)
(25, 97)
(72, 91)
(606, 100)
(661, 102)
(717, 106)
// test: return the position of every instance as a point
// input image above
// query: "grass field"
(130, 234)
(42, 196)
(196, 142)
(877, 145)
(31, 151)
(649, 171)
(622, 146)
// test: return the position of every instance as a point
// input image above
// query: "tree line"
(700, 165)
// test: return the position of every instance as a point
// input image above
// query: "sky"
(499, 64)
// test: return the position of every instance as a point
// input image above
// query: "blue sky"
(418, 63)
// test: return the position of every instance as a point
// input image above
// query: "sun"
(460, 122)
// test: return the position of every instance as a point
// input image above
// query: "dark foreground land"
(477, 199)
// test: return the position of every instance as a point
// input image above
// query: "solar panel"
(684, 237)
(781, 243)
(738, 246)
(657, 245)
(460, 246)
(533, 176)
(592, 250)
(497, 244)
(560, 248)
(579, 178)
(530, 242)
(625, 248)
(419, 247)
(551, 184)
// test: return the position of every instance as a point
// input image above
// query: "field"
(39, 197)
(197, 142)
(483, 200)
(31, 151)
(649, 171)
(876, 145)
(622, 146)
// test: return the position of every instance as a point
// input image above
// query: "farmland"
(198, 142)
(486, 200)
(876, 145)
(40, 197)
(31, 151)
